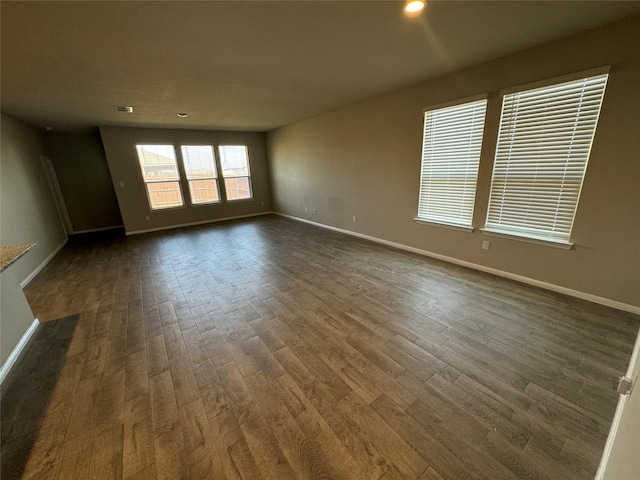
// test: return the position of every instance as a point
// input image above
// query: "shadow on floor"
(25, 392)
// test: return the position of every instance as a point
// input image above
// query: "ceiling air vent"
(121, 108)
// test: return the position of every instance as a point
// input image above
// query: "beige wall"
(83, 175)
(15, 314)
(119, 144)
(27, 214)
(364, 160)
(27, 210)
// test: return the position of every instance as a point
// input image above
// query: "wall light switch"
(122, 184)
(486, 244)
(355, 219)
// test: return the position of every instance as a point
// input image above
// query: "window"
(160, 174)
(162, 177)
(234, 160)
(200, 169)
(541, 157)
(450, 157)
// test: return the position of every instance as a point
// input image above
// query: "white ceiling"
(246, 65)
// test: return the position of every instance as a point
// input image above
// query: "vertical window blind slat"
(543, 148)
(452, 139)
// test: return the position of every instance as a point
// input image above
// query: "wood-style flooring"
(26, 391)
(271, 349)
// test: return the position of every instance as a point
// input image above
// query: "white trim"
(500, 273)
(13, 357)
(54, 185)
(169, 227)
(44, 263)
(451, 103)
(617, 418)
(452, 226)
(615, 424)
(552, 81)
(93, 230)
(522, 238)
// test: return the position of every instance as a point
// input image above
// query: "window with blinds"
(200, 169)
(234, 160)
(450, 156)
(543, 147)
(160, 175)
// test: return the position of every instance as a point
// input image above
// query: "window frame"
(224, 177)
(138, 148)
(460, 218)
(188, 180)
(559, 238)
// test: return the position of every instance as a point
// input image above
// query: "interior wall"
(27, 214)
(83, 175)
(120, 148)
(27, 209)
(364, 160)
(15, 314)
(621, 459)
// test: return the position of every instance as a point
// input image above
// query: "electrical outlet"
(147, 217)
(306, 209)
(486, 244)
(314, 211)
(355, 219)
(262, 204)
(122, 184)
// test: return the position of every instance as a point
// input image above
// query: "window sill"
(240, 200)
(521, 238)
(444, 225)
(204, 204)
(162, 209)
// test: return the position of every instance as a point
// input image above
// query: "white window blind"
(450, 156)
(543, 147)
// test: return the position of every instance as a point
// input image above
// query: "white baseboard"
(93, 230)
(170, 227)
(39, 268)
(501, 273)
(11, 359)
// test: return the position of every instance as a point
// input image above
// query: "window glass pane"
(234, 161)
(164, 194)
(157, 162)
(160, 173)
(198, 161)
(237, 188)
(204, 191)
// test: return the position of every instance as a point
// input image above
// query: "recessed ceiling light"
(122, 108)
(413, 6)
(183, 115)
(48, 129)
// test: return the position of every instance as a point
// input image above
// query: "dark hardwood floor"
(271, 349)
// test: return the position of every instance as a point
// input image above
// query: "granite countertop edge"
(12, 253)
